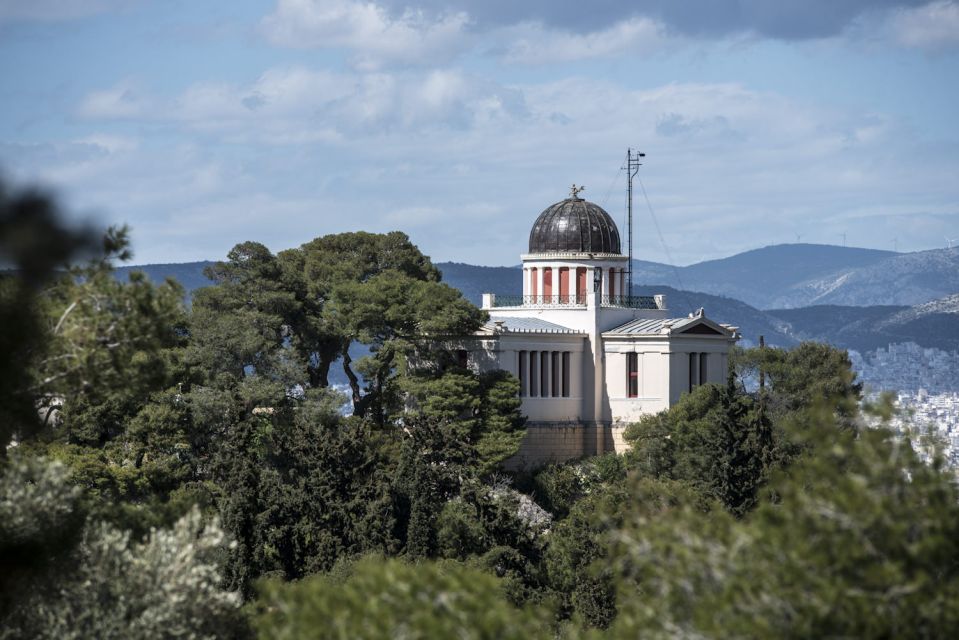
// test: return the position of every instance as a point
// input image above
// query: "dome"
(574, 225)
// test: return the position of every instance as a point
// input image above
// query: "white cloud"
(465, 163)
(532, 43)
(120, 101)
(933, 26)
(366, 28)
(296, 105)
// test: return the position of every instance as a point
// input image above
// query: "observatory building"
(590, 357)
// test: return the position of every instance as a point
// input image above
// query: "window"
(703, 370)
(566, 374)
(693, 378)
(547, 282)
(523, 360)
(632, 375)
(564, 284)
(533, 377)
(556, 379)
(462, 358)
(612, 282)
(544, 374)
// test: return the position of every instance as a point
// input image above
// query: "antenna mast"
(632, 167)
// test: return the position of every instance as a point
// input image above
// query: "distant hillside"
(932, 324)
(904, 279)
(765, 278)
(189, 274)
(765, 275)
(474, 280)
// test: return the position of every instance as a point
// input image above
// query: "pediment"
(701, 329)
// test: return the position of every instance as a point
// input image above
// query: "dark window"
(692, 371)
(533, 377)
(556, 377)
(632, 375)
(544, 373)
(566, 374)
(703, 371)
(463, 358)
(522, 374)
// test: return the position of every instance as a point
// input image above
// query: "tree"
(483, 410)
(378, 291)
(860, 542)
(62, 579)
(389, 599)
(302, 489)
(713, 439)
(34, 242)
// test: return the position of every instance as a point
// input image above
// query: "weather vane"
(574, 190)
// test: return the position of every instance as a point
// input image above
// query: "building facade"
(590, 358)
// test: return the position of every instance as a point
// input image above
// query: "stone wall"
(547, 442)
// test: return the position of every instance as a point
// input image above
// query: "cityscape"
(926, 390)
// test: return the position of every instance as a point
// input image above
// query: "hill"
(931, 324)
(765, 275)
(904, 279)
(189, 274)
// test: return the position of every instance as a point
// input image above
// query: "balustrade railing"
(630, 302)
(528, 301)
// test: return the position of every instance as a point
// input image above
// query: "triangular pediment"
(701, 329)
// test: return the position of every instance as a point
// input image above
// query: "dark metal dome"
(574, 225)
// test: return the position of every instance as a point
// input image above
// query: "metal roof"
(575, 225)
(644, 327)
(526, 325)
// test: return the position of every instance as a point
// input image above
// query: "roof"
(526, 325)
(698, 325)
(574, 225)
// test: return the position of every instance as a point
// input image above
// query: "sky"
(202, 124)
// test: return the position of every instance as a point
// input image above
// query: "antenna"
(632, 167)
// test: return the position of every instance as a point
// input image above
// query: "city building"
(590, 357)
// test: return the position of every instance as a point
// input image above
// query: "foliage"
(713, 439)
(860, 543)
(105, 344)
(302, 490)
(60, 581)
(802, 377)
(483, 410)
(390, 598)
(34, 243)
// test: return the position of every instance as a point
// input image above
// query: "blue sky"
(204, 124)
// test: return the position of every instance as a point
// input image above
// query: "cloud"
(934, 26)
(57, 10)
(465, 163)
(779, 19)
(297, 105)
(533, 43)
(118, 102)
(376, 37)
